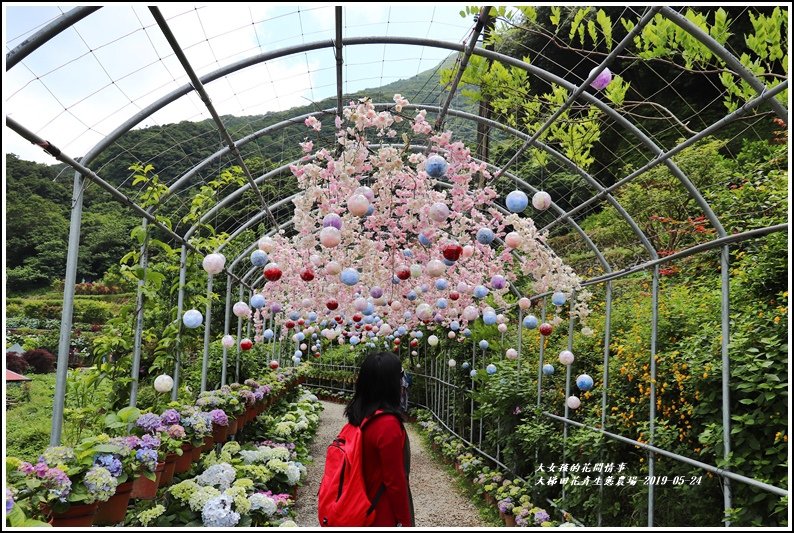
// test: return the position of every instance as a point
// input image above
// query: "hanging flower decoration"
(377, 240)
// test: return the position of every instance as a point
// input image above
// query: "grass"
(28, 421)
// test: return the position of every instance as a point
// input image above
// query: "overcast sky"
(89, 79)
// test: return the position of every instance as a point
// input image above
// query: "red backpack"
(342, 498)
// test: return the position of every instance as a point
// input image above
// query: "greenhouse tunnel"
(625, 200)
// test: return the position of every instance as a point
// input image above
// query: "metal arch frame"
(75, 219)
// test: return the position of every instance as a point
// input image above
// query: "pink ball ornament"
(541, 200)
(266, 244)
(601, 81)
(227, 341)
(435, 268)
(424, 311)
(451, 335)
(366, 192)
(241, 310)
(524, 303)
(502, 328)
(511, 354)
(316, 259)
(332, 268)
(213, 263)
(360, 304)
(468, 251)
(470, 313)
(330, 237)
(462, 287)
(566, 357)
(513, 239)
(358, 205)
(439, 212)
(573, 402)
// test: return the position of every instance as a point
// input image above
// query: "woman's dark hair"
(377, 387)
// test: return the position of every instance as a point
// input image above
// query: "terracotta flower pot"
(146, 489)
(219, 433)
(232, 426)
(209, 443)
(184, 461)
(197, 451)
(114, 510)
(510, 520)
(78, 515)
(168, 471)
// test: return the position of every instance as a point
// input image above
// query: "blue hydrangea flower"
(109, 461)
(218, 512)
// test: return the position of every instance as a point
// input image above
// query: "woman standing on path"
(386, 449)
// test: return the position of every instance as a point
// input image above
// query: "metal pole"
(652, 413)
(226, 326)
(605, 384)
(180, 301)
(64, 341)
(542, 347)
(207, 315)
(339, 59)
(239, 335)
(471, 380)
(136, 346)
(726, 377)
(571, 321)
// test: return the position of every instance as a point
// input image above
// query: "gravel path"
(437, 502)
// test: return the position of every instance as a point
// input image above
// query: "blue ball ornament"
(441, 303)
(424, 241)
(489, 318)
(298, 353)
(354, 340)
(441, 284)
(407, 315)
(473, 373)
(530, 321)
(516, 201)
(401, 331)
(558, 298)
(454, 325)
(408, 253)
(485, 236)
(294, 315)
(411, 296)
(312, 316)
(467, 332)
(436, 166)
(584, 382)
(548, 369)
(370, 210)
(267, 334)
(447, 262)
(465, 365)
(483, 344)
(480, 291)
(259, 258)
(491, 369)
(300, 336)
(257, 301)
(369, 309)
(350, 276)
(192, 319)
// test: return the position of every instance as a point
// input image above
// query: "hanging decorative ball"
(376, 292)
(257, 301)
(558, 298)
(354, 340)
(511, 354)
(316, 259)
(489, 318)
(296, 359)
(259, 258)
(451, 335)
(516, 201)
(307, 274)
(454, 325)
(498, 282)
(584, 382)
(468, 251)
(241, 310)
(368, 193)
(566, 357)
(442, 303)
(524, 303)
(272, 272)
(411, 296)
(274, 364)
(330, 237)
(452, 363)
(473, 373)
(435, 268)
(452, 251)
(514, 240)
(424, 312)
(432, 340)
(397, 342)
(601, 81)
(441, 284)
(227, 341)
(502, 328)
(267, 245)
(402, 272)
(545, 329)
(573, 402)
(416, 270)
(548, 369)
(246, 344)
(480, 291)
(530, 322)
(332, 304)
(332, 220)
(436, 166)
(465, 365)
(454, 295)
(213, 263)
(358, 205)
(470, 313)
(163, 383)
(485, 235)
(439, 211)
(275, 307)
(424, 241)
(268, 334)
(501, 319)
(491, 369)
(289, 324)
(483, 344)
(541, 200)
(332, 268)
(192, 319)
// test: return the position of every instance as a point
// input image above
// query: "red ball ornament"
(368, 327)
(451, 251)
(545, 329)
(357, 317)
(289, 324)
(272, 272)
(403, 272)
(396, 342)
(246, 344)
(454, 295)
(331, 304)
(307, 275)
(414, 343)
(316, 354)
(338, 319)
(274, 364)
(301, 322)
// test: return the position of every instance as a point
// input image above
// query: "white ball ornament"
(566, 357)
(227, 341)
(241, 310)
(573, 402)
(511, 354)
(502, 328)
(541, 200)
(266, 244)
(432, 340)
(192, 318)
(452, 363)
(163, 383)
(213, 263)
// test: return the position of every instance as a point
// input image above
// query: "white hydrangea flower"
(260, 502)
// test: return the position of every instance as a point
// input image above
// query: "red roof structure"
(13, 376)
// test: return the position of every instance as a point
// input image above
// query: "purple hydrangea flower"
(109, 462)
(149, 441)
(148, 458)
(149, 422)
(170, 417)
(176, 431)
(9, 500)
(58, 483)
(541, 516)
(219, 417)
(25, 467)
